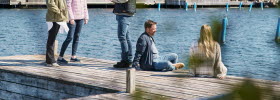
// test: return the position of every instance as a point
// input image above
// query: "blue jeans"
(73, 30)
(165, 63)
(124, 38)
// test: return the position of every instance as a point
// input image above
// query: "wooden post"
(55, 47)
(130, 81)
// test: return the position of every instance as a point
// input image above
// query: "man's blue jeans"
(164, 63)
(73, 30)
(124, 38)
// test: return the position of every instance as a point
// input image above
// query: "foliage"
(140, 95)
(216, 26)
(248, 90)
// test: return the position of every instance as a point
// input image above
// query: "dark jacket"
(144, 53)
(127, 8)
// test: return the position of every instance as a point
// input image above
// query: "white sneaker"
(52, 65)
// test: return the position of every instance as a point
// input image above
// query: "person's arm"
(220, 69)
(140, 49)
(52, 6)
(119, 1)
(86, 13)
(71, 15)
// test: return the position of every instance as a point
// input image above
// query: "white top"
(63, 26)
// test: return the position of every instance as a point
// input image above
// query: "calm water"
(249, 50)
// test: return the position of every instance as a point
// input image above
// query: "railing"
(174, 2)
(4, 1)
(43, 2)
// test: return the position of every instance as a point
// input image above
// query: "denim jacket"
(144, 54)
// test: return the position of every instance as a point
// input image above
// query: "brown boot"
(179, 65)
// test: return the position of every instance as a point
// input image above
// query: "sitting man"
(147, 56)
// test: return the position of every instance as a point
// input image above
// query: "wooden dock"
(100, 73)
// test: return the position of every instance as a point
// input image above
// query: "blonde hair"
(206, 43)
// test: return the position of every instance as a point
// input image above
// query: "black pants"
(50, 44)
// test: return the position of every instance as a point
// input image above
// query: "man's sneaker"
(122, 64)
(75, 60)
(62, 61)
(52, 65)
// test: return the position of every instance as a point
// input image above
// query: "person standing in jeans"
(124, 10)
(78, 15)
(56, 18)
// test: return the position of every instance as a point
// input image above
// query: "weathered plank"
(100, 73)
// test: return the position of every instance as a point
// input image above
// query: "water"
(249, 50)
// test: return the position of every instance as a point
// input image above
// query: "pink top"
(77, 9)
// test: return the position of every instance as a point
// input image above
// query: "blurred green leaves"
(249, 90)
(142, 95)
(216, 25)
(194, 61)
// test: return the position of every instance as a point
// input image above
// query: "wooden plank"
(73, 76)
(99, 72)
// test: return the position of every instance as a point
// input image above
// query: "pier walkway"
(97, 79)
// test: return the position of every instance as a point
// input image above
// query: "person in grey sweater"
(147, 56)
(205, 56)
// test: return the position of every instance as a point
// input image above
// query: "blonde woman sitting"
(205, 56)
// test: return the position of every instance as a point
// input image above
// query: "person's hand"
(86, 21)
(136, 65)
(72, 21)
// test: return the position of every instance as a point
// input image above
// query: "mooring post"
(194, 6)
(187, 6)
(240, 5)
(158, 6)
(251, 5)
(262, 5)
(130, 80)
(277, 38)
(227, 5)
(224, 30)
